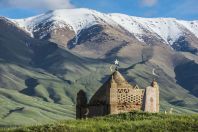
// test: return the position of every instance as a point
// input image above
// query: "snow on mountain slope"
(191, 26)
(129, 24)
(167, 29)
(75, 19)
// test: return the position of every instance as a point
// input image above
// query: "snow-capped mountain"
(74, 19)
(165, 30)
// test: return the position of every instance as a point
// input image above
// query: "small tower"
(152, 97)
(81, 106)
(155, 85)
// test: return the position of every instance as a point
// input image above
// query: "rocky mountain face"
(73, 27)
(46, 59)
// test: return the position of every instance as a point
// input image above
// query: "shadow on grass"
(31, 83)
(20, 109)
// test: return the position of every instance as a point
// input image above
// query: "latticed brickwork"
(129, 99)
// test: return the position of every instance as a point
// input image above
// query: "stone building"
(115, 96)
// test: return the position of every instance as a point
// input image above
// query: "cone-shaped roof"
(117, 76)
(101, 94)
(119, 79)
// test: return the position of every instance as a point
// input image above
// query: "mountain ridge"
(167, 29)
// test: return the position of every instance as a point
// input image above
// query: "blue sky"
(181, 9)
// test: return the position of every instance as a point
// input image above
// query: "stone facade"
(115, 96)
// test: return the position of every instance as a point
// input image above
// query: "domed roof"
(115, 78)
(118, 78)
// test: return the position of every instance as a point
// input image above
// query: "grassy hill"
(134, 121)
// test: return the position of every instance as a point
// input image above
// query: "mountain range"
(46, 59)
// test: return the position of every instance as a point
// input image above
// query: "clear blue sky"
(181, 9)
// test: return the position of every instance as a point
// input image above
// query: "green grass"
(35, 110)
(134, 121)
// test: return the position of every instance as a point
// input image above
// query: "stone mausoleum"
(116, 96)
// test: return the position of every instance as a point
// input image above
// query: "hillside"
(124, 122)
(46, 59)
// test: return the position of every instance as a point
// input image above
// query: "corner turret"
(81, 104)
(152, 97)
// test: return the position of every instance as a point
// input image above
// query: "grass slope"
(18, 109)
(133, 121)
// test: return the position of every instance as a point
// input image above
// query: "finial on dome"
(116, 64)
(154, 83)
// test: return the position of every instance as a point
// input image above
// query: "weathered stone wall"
(81, 104)
(112, 98)
(99, 110)
(151, 100)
